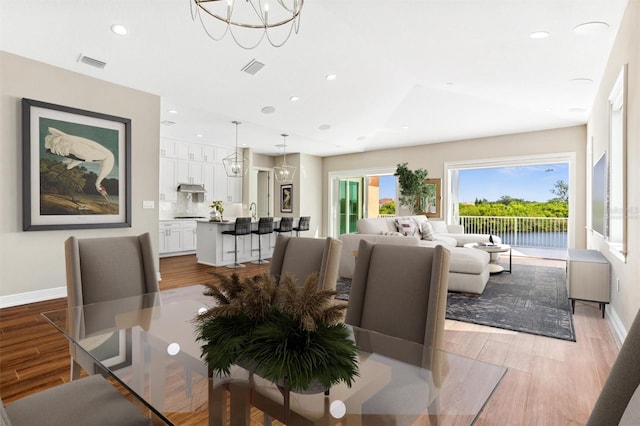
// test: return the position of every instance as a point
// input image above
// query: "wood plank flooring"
(549, 381)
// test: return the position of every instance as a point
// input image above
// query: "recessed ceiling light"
(331, 77)
(536, 35)
(324, 127)
(577, 110)
(590, 28)
(119, 29)
(405, 127)
(268, 110)
(173, 111)
(581, 81)
(294, 99)
(199, 135)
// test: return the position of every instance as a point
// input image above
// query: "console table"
(588, 277)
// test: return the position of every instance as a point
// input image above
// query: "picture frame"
(286, 198)
(432, 203)
(76, 168)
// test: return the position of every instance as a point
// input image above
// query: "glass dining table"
(148, 344)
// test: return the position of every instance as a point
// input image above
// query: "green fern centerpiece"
(285, 333)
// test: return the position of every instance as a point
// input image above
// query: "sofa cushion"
(468, 261)
(426, 231)
(407, 227)
(377, 225)
(439, 226)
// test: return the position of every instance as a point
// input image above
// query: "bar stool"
(286, 225)
(265, 226)
(242, 227)
(303, 225)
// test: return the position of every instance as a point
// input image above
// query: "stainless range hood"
(194, 191)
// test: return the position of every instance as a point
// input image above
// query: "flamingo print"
(77, 150)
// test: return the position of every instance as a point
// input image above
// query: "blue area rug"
(533, 299)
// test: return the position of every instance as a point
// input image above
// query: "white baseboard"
(616, 325)
(32, 297)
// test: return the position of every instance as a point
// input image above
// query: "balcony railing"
(541, 232)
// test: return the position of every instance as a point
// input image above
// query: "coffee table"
(494, 267)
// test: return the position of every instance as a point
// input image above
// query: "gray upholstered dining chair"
(301, 257)
(102, 269)
(619, 400)
(401, 291)
(87, 401)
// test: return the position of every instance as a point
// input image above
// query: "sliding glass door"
(350, 202)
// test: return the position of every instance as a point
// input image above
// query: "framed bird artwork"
(76, 168)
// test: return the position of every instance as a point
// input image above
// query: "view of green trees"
(518, 207)
(388, 208)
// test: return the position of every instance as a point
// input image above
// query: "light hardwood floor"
(548, 382)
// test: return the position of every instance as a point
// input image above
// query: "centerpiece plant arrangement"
(292, 336)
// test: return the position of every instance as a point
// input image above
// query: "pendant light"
(235, 164)
(285, 172)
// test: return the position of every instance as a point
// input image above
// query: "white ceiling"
(446, 69)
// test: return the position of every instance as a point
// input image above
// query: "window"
(617, 237)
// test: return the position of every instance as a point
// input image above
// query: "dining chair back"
(103, 269)
(619, 400)
(301, 257)
(401, 291)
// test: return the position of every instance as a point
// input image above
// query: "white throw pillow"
(407, 227)
(439, 226)
(426, 231)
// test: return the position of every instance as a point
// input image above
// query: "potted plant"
(216, 213)
(291, 336)
(414, 192)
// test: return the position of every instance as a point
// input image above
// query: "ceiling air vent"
(253, 67)
(167, 122)
(92, 61)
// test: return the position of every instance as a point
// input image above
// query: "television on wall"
(599, 196)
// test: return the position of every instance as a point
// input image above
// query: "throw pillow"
(393, 234)
(439, 226)
(426, 231)
(407, 227)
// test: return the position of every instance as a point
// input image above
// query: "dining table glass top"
(148, 344)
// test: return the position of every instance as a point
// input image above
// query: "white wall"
(310, 199)
(32, 263)
(625, 301)
(433, 156)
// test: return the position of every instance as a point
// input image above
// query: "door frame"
(333, 202)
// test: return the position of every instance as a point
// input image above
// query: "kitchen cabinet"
(190, 172)
(177, 237)
(168, 179)
(186, 162)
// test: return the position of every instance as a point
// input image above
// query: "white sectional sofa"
(468, 269)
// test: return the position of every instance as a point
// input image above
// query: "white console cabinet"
(588, 277)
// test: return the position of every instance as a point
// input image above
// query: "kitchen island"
(217, 249)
